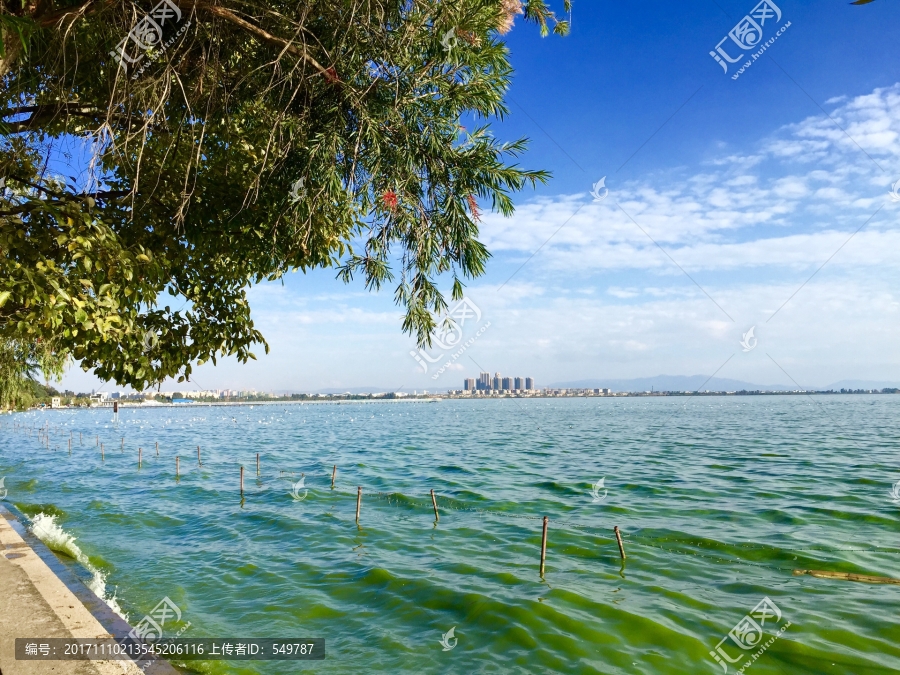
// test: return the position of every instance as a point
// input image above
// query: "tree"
(19, 364)
(229, 143)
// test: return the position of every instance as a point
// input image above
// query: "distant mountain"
(863, 384)
(672, 383)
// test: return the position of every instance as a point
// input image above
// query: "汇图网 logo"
(600, 191)
(447, 637)
(895, 492)
(748, 35)
(147, 36)
(894, 194)
(150, 628)
(595, 491)
(298, 191)
(150, 340)
(748, 633)
(748, 340)
(448, 334)
(449, 40)
(296, 487)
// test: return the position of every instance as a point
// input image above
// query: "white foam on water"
(57, 539)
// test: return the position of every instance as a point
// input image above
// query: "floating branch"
(847, 576)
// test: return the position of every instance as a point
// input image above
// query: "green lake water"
(719, 500)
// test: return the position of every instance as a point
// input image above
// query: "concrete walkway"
(35, 603)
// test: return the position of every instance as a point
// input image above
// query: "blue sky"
(725, 196)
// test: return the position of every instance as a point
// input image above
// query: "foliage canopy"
(224, 143)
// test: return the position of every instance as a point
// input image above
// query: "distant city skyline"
(498, 383)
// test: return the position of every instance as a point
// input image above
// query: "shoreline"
(464, 397)
(41, 598)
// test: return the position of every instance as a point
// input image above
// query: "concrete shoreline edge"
(40, 597)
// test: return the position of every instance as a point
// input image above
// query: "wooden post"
(176, 465)
(123, 444)
(358, 501)
(257, 463)
(619, 542)
(70, 446)
(333, 472)
(199, 463)
(544, 545)
(242, 482)
(157, 448)
(102, 456)
(434, 504)
(140, 451)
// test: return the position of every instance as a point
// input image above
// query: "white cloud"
(724, 220)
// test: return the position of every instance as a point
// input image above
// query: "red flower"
(473, 207)
(331, 74)
(389, 198)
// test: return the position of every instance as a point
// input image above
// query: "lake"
(718, 498)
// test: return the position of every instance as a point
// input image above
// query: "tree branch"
(265, 36)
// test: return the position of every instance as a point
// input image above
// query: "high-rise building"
(519, 383)
(498, 381)
(506, 383)
(469, 384)
(529, 383)
(484, 381)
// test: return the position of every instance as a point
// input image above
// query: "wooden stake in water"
(619, 542)
(199, 463)
(544, 545)
(157, 448)
(102, 456)
(177, 460)
(140, 451)
(123, 444)
(434, 504)
(333, 473)
(242, 482)
(70, 446)
(257, 463)
(358, 502)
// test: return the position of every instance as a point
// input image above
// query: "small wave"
(57, 539)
